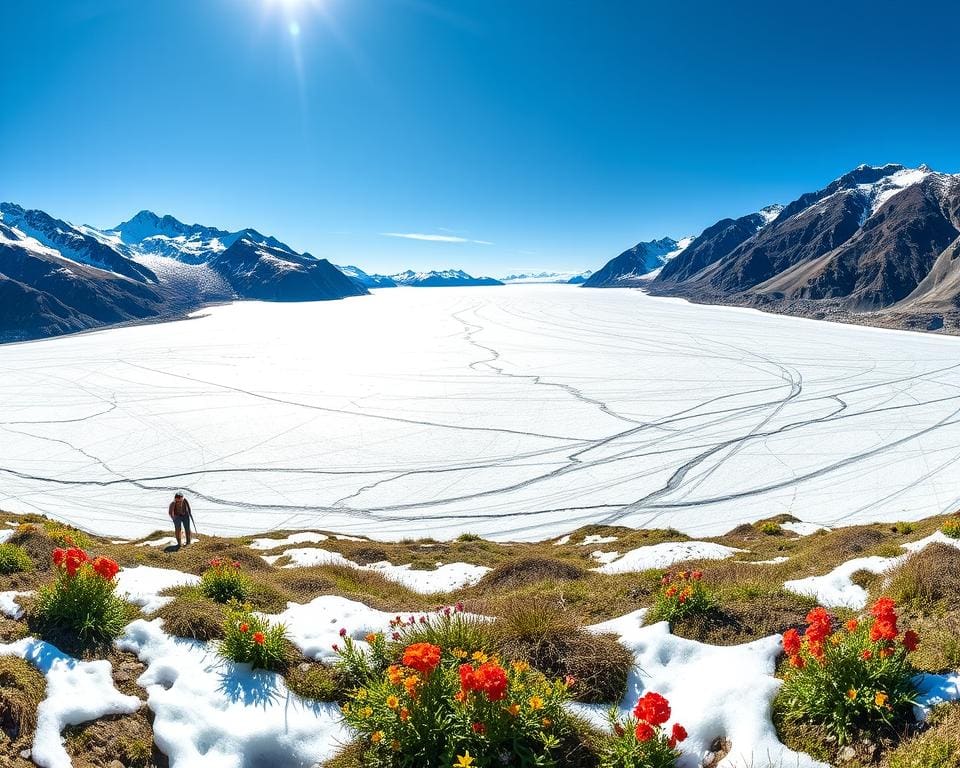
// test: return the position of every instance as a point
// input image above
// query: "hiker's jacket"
(179, 507)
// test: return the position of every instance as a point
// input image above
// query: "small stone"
(847, 754)
(25, 754)
(115, 764)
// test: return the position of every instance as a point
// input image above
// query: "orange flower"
(404, 714)
(852, 625)
(423, 657)
(258, 638)
(514, 709)
(791, 642)
(244, 627)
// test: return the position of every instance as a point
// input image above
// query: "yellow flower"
(547, 722)
(376, 736)
(362, 694)
(367, 711)
(464, 760)
(881, 699)
(520, 666)
(395, 674)
(393, 702)
(514, 709)
(345, 708)
(479, 656)
(459, 653)
(536, 702)
(852, 694)
(371, 637)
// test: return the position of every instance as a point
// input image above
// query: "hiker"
(179, 512)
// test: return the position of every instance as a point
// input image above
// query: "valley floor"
(512, 412)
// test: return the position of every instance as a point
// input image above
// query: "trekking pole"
(193, 522)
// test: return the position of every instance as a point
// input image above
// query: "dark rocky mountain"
(258, 271)
(44, 294)
(441, 279)
(715, 242)
(879, 245)
(631, 266)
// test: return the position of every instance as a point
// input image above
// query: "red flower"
(696, 575)
(244, 627)
(478, 728)
(679, 733)
(819, 625)
(492, 680)
(797, 662)
(884, 608)
(791, 642)
(73, 559)
(423, 657)
(852, 625)
(59, 555)
(884, 629)
(652, 708)
(644, 731)
(911, 640)
(468, 680)
(867, 654)
(105, 568)
(258, 638)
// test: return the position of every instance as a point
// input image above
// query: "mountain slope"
(44, 294)
(74, 243)
(258, 271)
(635, 263)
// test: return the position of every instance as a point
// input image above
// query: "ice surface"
(142, 585)
(934, 690)
(837, 590)
(518, 413)
(714, 692)
(77, 691)
(213, 713)
(667, 554)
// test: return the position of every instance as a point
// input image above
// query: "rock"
(847, 754)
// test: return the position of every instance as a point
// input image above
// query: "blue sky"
(539, 134)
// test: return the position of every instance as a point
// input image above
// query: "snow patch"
(9, 606)
(307, 537)
(667, 554)
(77, 692)
(142, 585)
(594, 539)
(714, 691)
(803, 529)
(218, 714)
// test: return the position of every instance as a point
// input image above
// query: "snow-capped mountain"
(877, 238)
(190, 243)
(434, 279)
(367, 281)
(639, 263)
(546, 277)
(58, 277)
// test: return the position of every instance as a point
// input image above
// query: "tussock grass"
(530, 570)
(555, 643)
(192, 614)
(22, 688)
(936, 747)
(318, 682)
(926, 579)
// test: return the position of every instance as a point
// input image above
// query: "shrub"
(530, 570)
(223, 581)
(464, 537)
(66, 536)
(641, 739)
(857, 678)
(82, 598)
(771, 529)
(251, 639)
(14, 559)
(903, 528)
(952, 528)
(681, 594)
(441, 707)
